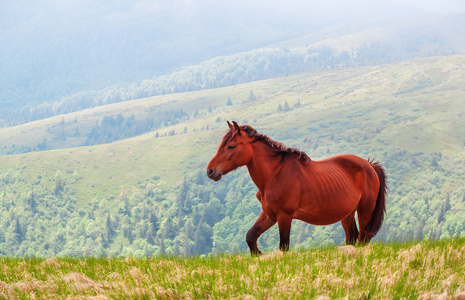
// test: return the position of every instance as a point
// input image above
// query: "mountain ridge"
(364, 45)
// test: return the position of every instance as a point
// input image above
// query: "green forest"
(149, 194)
(203, 217)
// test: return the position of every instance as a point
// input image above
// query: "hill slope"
(149, 194)
(415, 80)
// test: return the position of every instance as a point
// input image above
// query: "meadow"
(409, 270)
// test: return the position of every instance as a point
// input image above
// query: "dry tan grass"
(348, 250)
(81, 282)
(82, 297)
(419, 271)
(52, 262)
(277, 254)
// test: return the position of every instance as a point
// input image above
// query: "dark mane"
(278, 147)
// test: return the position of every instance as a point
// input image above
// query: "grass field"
(414, 270)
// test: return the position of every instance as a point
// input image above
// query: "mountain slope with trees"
(149, 194)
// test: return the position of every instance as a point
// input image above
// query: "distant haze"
(50, 49)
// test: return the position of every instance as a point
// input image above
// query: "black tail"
(377, 217)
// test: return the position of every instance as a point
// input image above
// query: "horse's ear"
(230, 125)
(237, 128)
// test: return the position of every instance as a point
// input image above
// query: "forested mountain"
(348, 45)
(149, 194)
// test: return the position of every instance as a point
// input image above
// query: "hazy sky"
(50, 48)
(57, 15)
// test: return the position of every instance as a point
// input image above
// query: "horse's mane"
(278, 147)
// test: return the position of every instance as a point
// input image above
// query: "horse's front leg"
(284, 223)
(262, 224)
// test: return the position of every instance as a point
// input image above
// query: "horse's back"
(349, 162)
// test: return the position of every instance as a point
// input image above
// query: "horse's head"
(234, 151)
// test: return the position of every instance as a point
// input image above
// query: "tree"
(31, 201)
(447, 203)
(17, 230)
(162, 246)
(286, 106)
(434, 163)
(129, 234)
(188, 235)
(180, 200)
(168, 230)
(251, 97)
(229, 102)
(42, 146)
(153, 222)
(109, 228)
(203, 238)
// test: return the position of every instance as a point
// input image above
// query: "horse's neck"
(264, 165)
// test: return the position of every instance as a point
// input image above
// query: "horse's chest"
(273, 206)
(270, 210)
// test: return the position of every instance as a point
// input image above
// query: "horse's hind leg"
(364, 213)
(350, 228)
(262, 224)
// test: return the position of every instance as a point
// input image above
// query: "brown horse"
(292, 186)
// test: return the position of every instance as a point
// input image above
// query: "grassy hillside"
(420, 98)
(426, 270)
(403, 90)
(405, 115)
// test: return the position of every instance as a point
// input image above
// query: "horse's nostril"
(214, 174)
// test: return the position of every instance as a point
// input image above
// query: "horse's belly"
(325, 213)
(319, 219)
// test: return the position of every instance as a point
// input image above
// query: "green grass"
(378, 271)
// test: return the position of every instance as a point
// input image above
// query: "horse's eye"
(231, 147)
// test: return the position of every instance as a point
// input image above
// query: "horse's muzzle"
(214, 175)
